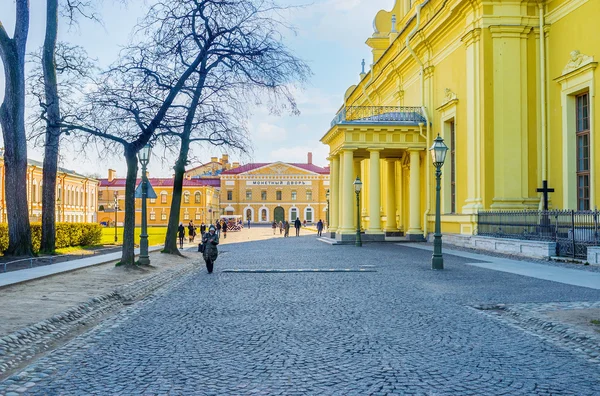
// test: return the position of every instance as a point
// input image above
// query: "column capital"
(333, 157)
(410, 149)
(370, 150)
(509, 31)
(348, 149)
(472, 36)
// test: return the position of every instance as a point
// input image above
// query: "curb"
(24, 344)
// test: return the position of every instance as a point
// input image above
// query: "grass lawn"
(156, 235)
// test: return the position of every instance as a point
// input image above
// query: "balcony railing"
(379, 114)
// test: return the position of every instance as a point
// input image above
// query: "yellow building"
(75, 195)
(267, 192)
(200, 201)
(515, 108)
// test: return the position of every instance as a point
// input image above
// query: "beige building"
(264, 192)
(75, 195)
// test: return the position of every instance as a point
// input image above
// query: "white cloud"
(268, 132)
(299, 154)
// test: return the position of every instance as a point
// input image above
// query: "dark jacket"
(224, 228)
(297, 223)
(320, 225)
(211, 242)
(181, 231)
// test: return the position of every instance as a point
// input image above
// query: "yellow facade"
(75, 195)
(512, 104)
(267, 192)
(199, 203)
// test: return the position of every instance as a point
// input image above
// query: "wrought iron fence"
(572, 231)
(376, 114)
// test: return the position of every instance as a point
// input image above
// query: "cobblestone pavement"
(403, 329)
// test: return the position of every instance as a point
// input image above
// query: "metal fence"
(572, 231)
(377, 114)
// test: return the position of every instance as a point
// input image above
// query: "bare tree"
(12, 120)
(243, 59)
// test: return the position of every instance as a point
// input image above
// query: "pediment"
(279, 169)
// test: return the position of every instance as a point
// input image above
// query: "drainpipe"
(424, 110)
(543, 98)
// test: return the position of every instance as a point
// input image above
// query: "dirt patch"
(28, 303)
(579, 318)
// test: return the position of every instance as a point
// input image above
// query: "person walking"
(248, 223)
(320, 228)
(181, 234)
(297, 225)
(210, 240)
(286, 227)
(280, 227)
(224, 229)
(274, 226)
(191, 232)
(202, 229)
(218, 227)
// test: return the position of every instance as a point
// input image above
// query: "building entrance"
(279, 214)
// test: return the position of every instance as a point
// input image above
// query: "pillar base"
(415, 237)
(472, 206)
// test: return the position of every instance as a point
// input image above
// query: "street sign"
(151, 192)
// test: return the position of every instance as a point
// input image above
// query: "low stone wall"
(517, 247)
(593, 255)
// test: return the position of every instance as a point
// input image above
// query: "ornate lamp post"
(327, 198)
(357, 187)
(144, 157)
(438, 154)
(116, 195)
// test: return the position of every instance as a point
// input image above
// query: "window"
(263, 195)
(152, 200)
(230, 195)
(309, 195)
(152, 216)
(452, 168)
(263, 215)
(583, 151)
(99, 194)
(248, 214)
(293, 214)
(186, 216)
(198, 215)
(197, 197)
(248, 195)
(163, 216)
(294, 195)
(278, 195)
(309, 215)
(186, 197)
(163, 197)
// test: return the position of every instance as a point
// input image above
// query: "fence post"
(573, 230)
(30, 262)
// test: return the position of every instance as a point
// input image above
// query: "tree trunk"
(128, 251)
(12, 120)
(171, 237)
(50, 169)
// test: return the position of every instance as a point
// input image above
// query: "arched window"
(163, 197)
(263, 215)
(249, 214)
(293, 214)
(186, 197)
(197, 197)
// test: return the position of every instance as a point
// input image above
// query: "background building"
(509, 86)
(263, 192)
(75, 195)
(200, 200)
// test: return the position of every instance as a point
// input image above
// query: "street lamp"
(327, 198)
(438, 155)
(357, 187)
(144, 157)
(116, 195)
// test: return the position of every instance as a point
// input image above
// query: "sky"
(330, 36)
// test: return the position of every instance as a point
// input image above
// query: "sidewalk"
(25, 275)
(533, 270)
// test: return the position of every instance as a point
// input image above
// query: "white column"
(347, 192)
(334, 193)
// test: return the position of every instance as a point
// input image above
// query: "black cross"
(545, 190)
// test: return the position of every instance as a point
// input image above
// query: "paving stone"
(399, 329)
